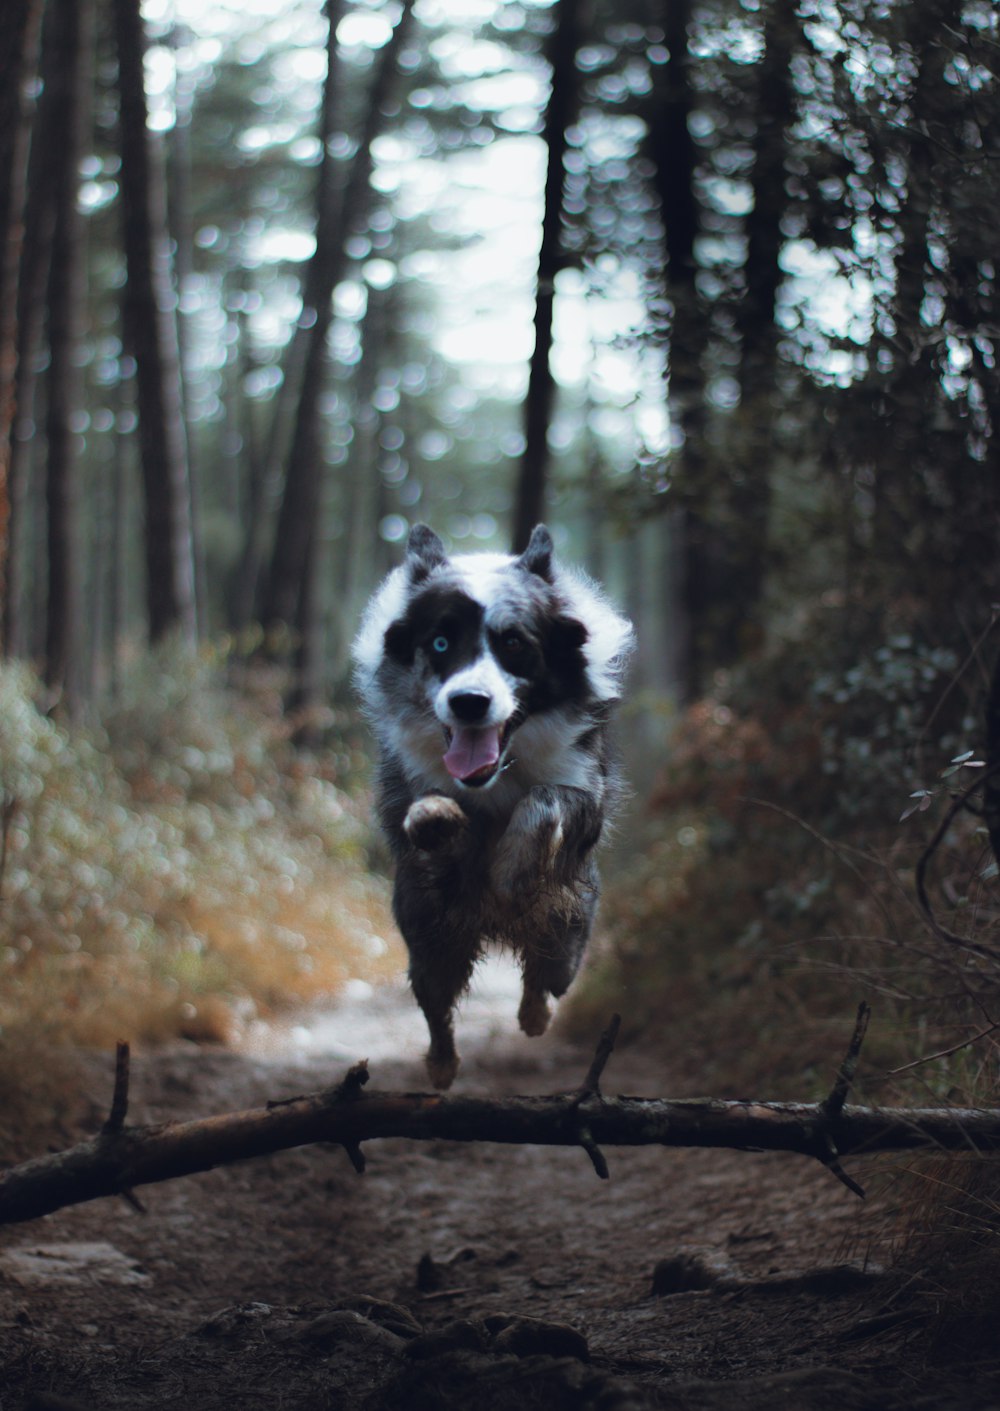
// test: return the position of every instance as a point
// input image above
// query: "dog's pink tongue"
(471, 751)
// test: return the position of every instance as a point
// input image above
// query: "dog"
(490, 681)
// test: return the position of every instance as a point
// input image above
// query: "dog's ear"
(568, 636)
(424, 551)
(398, 642)
(537, 557)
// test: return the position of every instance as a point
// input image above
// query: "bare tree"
(338, 217)
(181, 226)
(19, 25)
(266, 474)
(674, 156)
(529, 503)
(69, 77)
(151, 336)
(742, 557)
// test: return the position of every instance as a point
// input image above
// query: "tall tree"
(336, 220)
(26, 449)
(19, 24)
(180, 224)
(69, 77)
(910, 444)
(266, 478)
(529, 501)
(151, 336)
(739, 556)
(674, 158)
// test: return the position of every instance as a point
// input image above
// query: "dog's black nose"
(469, 706)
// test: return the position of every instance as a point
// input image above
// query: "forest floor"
(456, 1275)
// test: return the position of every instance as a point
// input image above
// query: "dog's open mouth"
(475, 753)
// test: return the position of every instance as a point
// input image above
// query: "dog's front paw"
(529, 848)
(433, 821)
(442, 1068)
(534, 1013)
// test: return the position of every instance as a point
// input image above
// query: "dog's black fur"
(490, 681)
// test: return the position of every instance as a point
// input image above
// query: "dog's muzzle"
(474, 756)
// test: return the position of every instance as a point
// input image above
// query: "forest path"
(292, 1282)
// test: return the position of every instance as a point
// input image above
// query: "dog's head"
(456, 654)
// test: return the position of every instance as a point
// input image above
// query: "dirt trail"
(449, 1275)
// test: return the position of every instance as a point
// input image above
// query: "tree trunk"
(248, 485)
(123, 480)
(529, 503)
(179, 222)
(69, 78)
(740, 558)
(151, 337)
(913, 386)
(335, 223)
(359, 568)
(266, 476)
(19, 28)
(674, 157)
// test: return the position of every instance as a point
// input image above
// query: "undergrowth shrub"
(770, 885)
(177, 869)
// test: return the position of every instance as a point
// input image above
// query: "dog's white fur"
(546, 750)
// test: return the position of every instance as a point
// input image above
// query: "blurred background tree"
(711, 286)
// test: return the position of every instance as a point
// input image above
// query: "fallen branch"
(121, 1157)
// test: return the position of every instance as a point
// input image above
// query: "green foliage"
(178, 870)
(875, 716)
(773, 882)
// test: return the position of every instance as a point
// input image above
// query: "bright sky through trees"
(485, 201)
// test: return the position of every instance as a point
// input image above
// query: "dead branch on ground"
(122, 1156)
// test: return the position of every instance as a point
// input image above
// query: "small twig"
(832, 1164)
(945, 1052)
(839, 851)
(973, 655)
(920, 873)
(834, 1104)
(349, 1090)
(349, 1087)
(591, 1086)
(355, 1156)
(831, 1109)
(439, 1294)
(119, 1102)
(595, 1153)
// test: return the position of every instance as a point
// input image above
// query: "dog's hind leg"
(552, 958)
(436, 987)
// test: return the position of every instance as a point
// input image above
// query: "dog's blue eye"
(440, 644)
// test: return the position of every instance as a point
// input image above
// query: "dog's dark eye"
(440, 644)
(514, 651)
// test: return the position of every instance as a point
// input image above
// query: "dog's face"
(485, 674)
(483, 645)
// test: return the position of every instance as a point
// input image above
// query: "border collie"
(489, 681)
